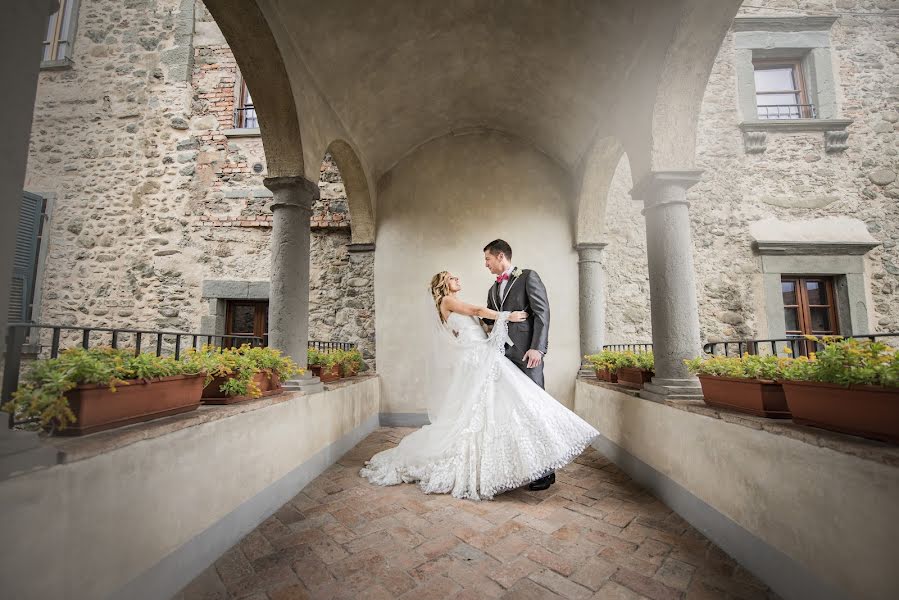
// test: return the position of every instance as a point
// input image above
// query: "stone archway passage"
(595, 534)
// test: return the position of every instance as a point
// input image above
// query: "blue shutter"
(25, 258)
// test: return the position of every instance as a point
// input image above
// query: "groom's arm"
(539, 303)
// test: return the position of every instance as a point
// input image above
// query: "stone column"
(288, 309)
(592, 296)
(672, 287)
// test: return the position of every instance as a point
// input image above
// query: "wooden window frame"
(50, 46)
(240, 103)
(259, 318)
(804, 105)
(804, 307)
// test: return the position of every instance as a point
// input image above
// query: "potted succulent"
(85, 391)
(743, 383)
(850, 385)
(324, 365)
(635, 368)
(239, 374)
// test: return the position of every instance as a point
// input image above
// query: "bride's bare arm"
(455, 305)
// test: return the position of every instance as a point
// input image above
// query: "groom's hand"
(533, 358)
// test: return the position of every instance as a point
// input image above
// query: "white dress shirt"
(503, 284)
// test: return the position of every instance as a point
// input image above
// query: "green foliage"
(749, 366)
(41, 394)
(239, 366)
(614, 360)
(840, 361)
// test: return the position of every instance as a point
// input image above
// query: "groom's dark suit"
(525, 292)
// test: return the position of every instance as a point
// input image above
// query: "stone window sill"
(755, 133)
(242, 133)
(794, 125)
(846, 444)
(74, 449)
(57, 65)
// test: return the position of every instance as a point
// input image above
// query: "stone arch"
(683, 79)
(597, 171)
(358, 195)
(262, 66)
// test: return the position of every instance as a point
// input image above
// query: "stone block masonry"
(152, 198)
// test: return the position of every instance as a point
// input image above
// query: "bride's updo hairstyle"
(440, 289)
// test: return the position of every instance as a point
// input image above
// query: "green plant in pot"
(350, 362)
(244, 372)
(748, 383)
(52, 390)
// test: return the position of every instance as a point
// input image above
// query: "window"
(809, 306)
(780, 90)
(60, 33)
(245, 114)
(29, 237)
(246, 317)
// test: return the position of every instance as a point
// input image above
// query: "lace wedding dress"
(492, 428)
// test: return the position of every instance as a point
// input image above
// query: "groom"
(521, 289)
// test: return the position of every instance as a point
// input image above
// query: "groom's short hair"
(497, 246)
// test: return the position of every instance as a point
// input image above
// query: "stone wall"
(152, 197)
(794, 179)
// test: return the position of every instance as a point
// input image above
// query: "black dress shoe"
(543, 483)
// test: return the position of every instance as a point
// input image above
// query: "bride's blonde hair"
(440, 290)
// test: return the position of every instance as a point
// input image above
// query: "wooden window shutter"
(25, 258)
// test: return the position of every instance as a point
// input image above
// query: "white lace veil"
(454, 365)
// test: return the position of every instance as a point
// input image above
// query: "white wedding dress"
(492, 428)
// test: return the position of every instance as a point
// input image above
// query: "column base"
(660, 390)
(307, 383)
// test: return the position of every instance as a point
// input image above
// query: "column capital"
(651, 184)
(293, 191)
(590, 251)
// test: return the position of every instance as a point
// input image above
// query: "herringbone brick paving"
(594, 534)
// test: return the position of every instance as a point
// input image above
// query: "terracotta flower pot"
(864, 410)
(96, 407)
(606, 375)
(760, 397)
(634, 377)
(267, 382)
(326, 374)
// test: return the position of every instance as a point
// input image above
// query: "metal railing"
(775, 112)
(160, 342)
(628, 347)
(798, 345)
(331, 346)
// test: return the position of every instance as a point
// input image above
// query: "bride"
(492, 428)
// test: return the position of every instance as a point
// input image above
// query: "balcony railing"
(797, 345)
(628, 347)
(331, 346)
(158, 342)
(773, 112)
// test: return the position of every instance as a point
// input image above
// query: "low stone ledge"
(847, 444)
(74, 449)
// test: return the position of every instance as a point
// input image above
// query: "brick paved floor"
(595, 534)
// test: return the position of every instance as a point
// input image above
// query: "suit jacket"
(525, 292)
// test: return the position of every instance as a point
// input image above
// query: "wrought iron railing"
(628, 347)
(797, 345)
(158, 342)
(773, 112)
(331, 346)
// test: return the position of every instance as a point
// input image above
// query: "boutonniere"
(516, 272)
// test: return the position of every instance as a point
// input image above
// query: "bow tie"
(503, 277)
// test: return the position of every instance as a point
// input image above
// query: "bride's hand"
(518, 316)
